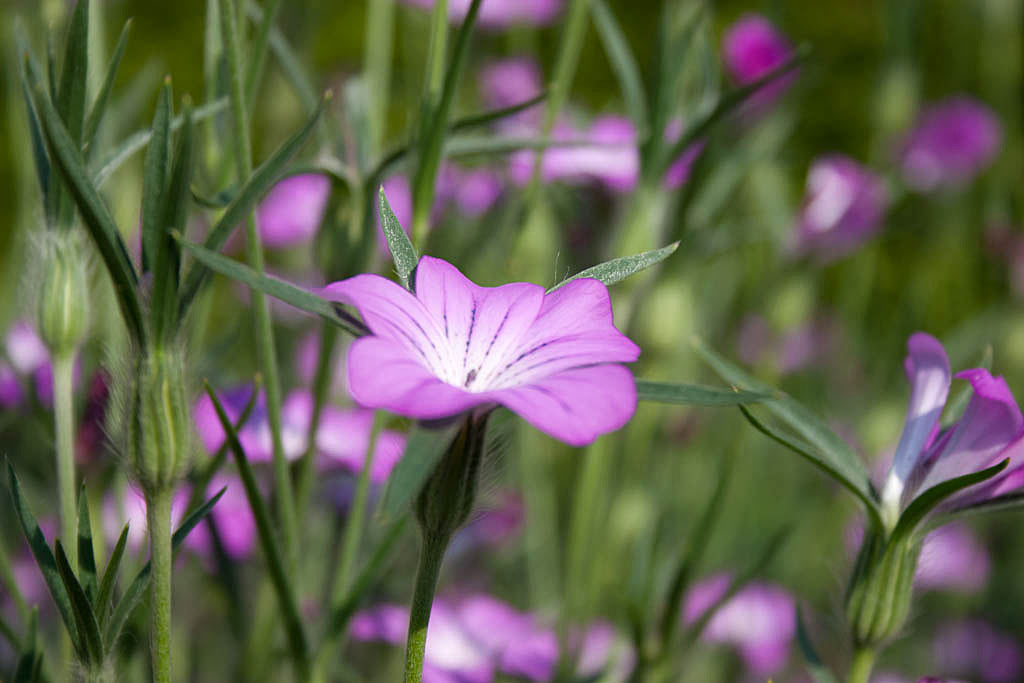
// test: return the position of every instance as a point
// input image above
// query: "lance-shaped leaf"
(695, 394)
(98, 221)
(492, 115)
(928, 500)
(43, 556)
(300, 298)
(815, 667)
(139, 139)
(92, 652)
(619, 269)
(827, 449)
(268, 541)
(74, 72)
(423, 451)
(156, 170)
(622, 61)
(86, 558)
(137, 588)
(99, 105)
(261, 180)
(402, 251)
(106, 589)
(39, 156)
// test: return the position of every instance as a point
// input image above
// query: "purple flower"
(753, 47)
(953, 141)
(554, 358)
(759, 621)
(342, 436)
(291, 212)
(952, 559)
(977, 649)
(498, 14)
(844, 206)
(509, 82)
(988, 432)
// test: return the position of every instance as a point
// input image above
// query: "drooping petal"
(927, 368)
(990, 422)
(382, 373)
(576, 405)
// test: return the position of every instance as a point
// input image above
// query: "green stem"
(254, 255)
(431, 556)
(380, 24)
(321, 388)
(63, 416)
(863, 663)
(158, 514)
(354, 523)
(431, 99)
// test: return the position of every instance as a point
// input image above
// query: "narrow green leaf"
(423, 451)
(830, 452)
(927, 501)
(619, 269)
(486, 117)
(95, 215)
(106, 590)
(99, 105)
(86, 559)
(39, 156)
(402, 251)
(261, 180)
(622, 60)
(694, 394)
(268, 541)
(288, 60)
(815, 667)
(138, 140)
(137, 588)
(367, 578)
(75, 72)
(30, 659)
(82, 610)
(258, 50)
(43, 556)
(300, 298)
(154, 177)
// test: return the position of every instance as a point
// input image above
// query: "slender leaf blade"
(74, 72)
(402, 251)
(86, 558)
(82, 610)
(622, 60)
(106, 589)
(490, 116)
(695, 394)
(154, 177)
(99, 105)
(617, 270)
(423, 451)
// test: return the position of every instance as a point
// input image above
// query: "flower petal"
(383, 373)
(927, 368)
(577, 405)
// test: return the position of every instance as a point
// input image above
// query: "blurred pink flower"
(499, 14)
(979, 650)
(291, 212)
(753, 47)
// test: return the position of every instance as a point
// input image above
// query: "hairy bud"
(878, 599)
(62, 294)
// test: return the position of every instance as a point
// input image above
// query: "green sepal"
(617, 270)
(402, 251)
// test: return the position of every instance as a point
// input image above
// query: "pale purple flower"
(554, 358)
(952, 559)
(844, 206)
(751, 48)
(988, 432)
(342, 435)
(11, 393)
(509, 82)
(952, 142)
(477, 191)
(291, 212)
(977, 649)
(130, 509)
(499, 14)
(759, 621)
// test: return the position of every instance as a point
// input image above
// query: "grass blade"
(694, 394)
(74, 73)
(622, 60)
(99, 105)
(154, 176)
(484, 118)
(106, 590)
(82, 610)
(619, 269)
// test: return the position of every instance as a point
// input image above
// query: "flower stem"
(357, 513)
(63, 416)
(863, 663)
(158, 513)
(380, 26)
(431, 100)
(431, 555)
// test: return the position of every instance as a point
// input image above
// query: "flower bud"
(447, 498)
(878, 600)
(62, 297)
(155, 425)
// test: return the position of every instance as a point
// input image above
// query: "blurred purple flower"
(952, 559)
(553, 358)
(988, 432)
(759, 621)
(753, 47)
(952, 142)
(499, 14)
(844, 206)
(291, 212)
(342, 436)
(509, 82)
(977, 649)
